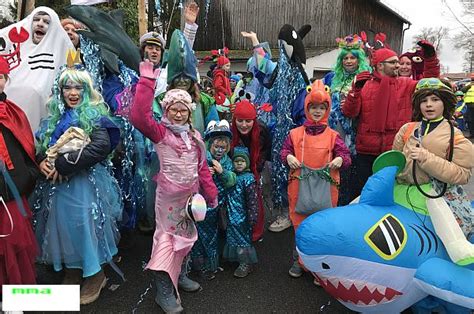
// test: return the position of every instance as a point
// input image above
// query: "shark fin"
(304, 30)
(447, 281)
(379, 188)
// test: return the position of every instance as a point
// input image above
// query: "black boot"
(165, 297)
(185, 283)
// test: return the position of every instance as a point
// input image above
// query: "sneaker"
(243, 270)
(296, 270)
(280, 224)
(207, 274)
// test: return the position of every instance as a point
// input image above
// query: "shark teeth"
(357, 292)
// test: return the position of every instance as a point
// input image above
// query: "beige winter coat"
(433, 161)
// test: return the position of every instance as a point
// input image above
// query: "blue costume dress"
(242, 214)
(75, 221)
(205, 254)
(346, 128)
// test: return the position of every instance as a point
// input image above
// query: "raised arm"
(141, 114)
(191, 11)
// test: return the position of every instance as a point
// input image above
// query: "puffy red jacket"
(361, 103)
(221, 86)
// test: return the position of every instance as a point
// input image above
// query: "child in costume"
(18, 247)
(221, 82)
(205, 254)
(443, 160)
(183, 172)
(313, 145)
(77, 201)
(460, 111)
(242, 212)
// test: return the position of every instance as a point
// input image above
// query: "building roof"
(393, 11)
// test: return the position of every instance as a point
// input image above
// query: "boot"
(185, 283)
(165, 297)
(72, 276)
(243, 270)
(460, 250)
(92, 286)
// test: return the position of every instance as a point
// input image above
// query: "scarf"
(385, 111)
(183, 131)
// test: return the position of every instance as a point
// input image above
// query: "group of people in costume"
(94, 143)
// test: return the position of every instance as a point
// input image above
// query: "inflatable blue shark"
(379, 257)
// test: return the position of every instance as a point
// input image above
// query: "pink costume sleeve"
(141, 114)
(340, 150)
(206, 185)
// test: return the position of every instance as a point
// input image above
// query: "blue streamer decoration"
(288, 84)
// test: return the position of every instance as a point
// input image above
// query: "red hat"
(245, 110)
(382, 55)
(4, 67)
(222, 60)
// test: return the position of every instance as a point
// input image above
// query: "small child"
(313, 145)
(183, 172)
(205, 254)
(242, 214)
(18, 247)
(460, 111)
(221, 82)
(427, 144)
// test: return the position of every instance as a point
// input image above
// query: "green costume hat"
(242, 151)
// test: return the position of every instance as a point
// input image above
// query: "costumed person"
(242, 212)
(184, 171)
(314, 153)
(469, 101)
(460, 111)
(71, 26)
(182, 74)
(205, 252)
(439, 161)
(249, 132)
(351, 61)
(18, 247)
(221, 83)
(287, 82)
(234, 80)
(77, 201)
(382, 102)
(412, 64)
(43, 53)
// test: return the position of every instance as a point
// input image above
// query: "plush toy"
(380, 257)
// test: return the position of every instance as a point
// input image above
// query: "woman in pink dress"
(183, 171)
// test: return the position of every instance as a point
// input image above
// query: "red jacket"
(221, 86)
(361, 102)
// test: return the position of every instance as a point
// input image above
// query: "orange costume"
(315, 145)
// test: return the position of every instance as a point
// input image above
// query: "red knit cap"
(4, 67)
(245, 110)
(222, 60)
(382, 55)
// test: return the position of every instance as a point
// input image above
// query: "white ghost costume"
(31, 82)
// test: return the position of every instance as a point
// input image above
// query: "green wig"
(342, 77)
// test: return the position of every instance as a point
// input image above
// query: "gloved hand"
(427, 48)
(360, 80)
(146, 70)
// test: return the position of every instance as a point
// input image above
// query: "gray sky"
(433, 13)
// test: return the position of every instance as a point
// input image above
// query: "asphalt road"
(268, 289)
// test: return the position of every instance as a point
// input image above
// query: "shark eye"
(294, 35)
(387, 237)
